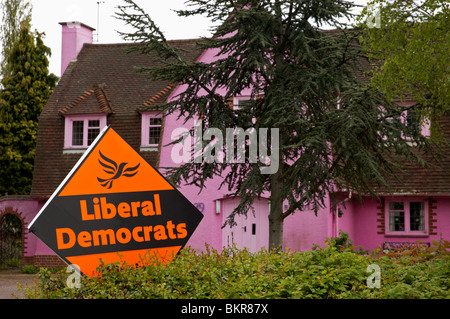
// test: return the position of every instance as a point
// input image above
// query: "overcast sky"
(48, 13)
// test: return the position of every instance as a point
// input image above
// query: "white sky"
(47, 14)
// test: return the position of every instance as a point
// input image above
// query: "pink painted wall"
(209, 231)
(27, 209)
(74, 36)
(442, 218)
(364, 232)
(303, 229)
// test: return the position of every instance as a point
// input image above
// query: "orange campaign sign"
(113, 206)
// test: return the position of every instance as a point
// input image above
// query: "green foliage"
(321, 273)
(30, 269)
(410, 51)
(22, 99)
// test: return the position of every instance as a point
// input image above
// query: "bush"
(332, 272)
(29, 269)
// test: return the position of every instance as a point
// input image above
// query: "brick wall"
(46, 261)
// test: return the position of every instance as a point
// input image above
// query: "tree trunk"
(276, 212)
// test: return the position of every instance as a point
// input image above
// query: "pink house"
(99, 87)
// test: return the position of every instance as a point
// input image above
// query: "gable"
(92, 101)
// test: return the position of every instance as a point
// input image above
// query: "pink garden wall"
(26, 209)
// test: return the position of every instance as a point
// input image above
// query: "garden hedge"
(337, 271)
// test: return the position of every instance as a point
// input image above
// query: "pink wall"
(27, 209)
(442, 218)
(209, 231)
(365, 221)
(303, 229)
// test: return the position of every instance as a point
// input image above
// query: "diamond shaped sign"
(113, 206)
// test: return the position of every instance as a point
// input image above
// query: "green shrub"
(29, 269)
(337, 271)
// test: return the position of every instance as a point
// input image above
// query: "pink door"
(251, 231)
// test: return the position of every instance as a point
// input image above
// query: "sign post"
(113, 206)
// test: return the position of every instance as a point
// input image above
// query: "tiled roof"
(431, 180)
(160, 97)
(92, 101)
(103, 79)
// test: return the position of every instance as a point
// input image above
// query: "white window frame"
(68, 129)
(407, 222)
(145, 129)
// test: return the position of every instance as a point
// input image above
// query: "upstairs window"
(412, 119)
(240, 103)
(81, 130)
(151, 129)
(413, 123)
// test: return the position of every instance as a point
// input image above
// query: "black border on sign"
(77, 166)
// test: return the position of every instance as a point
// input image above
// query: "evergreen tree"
(22, 99)
(306, 82)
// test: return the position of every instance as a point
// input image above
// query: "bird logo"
(117, 171)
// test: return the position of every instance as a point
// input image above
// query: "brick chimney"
(74, 36)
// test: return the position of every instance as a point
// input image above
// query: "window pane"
(154, 134)
(92, 134)
(155, 121)
(77, 133)
(244, 103)
(396, 221)
(94, 123)
(412, 122)
(416, 216)
(396, 206)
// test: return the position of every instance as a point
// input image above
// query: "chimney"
(74, 36)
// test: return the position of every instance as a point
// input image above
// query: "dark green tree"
(24, 94)
(306, 82)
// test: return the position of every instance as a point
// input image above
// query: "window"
(412, 122)
(81, 130)
(151, 129)
(246, 120)
(406, 217)
(412, 119)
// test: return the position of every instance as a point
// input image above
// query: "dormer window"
(81, 130)
(85, 118)
(151, 130)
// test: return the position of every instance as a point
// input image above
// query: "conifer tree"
(22, 98)
(306, 82)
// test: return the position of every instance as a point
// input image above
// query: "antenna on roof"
(98, 18)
